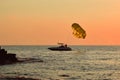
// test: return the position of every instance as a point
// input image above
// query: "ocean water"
(83, 63)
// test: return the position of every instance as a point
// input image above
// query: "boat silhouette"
(62, 47)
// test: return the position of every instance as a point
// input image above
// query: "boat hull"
(60, 49)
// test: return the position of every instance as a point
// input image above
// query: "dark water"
(83, 63)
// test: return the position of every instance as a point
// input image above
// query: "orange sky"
(44, 22)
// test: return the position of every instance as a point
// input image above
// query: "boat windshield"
(62, 45)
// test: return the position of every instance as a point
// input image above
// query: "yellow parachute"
(78, 31)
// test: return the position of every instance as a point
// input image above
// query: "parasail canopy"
(78, 31)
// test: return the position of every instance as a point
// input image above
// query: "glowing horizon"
(43, 22)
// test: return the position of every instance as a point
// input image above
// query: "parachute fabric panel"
(78, 31)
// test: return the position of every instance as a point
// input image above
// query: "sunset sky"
(46, 22)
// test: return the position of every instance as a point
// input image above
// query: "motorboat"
(62, 47)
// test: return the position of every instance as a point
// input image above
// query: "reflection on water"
(84, 62)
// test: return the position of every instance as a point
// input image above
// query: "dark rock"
(7, 58)
(64, 75)
(17, 78)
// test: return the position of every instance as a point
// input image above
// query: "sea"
(82, 63)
